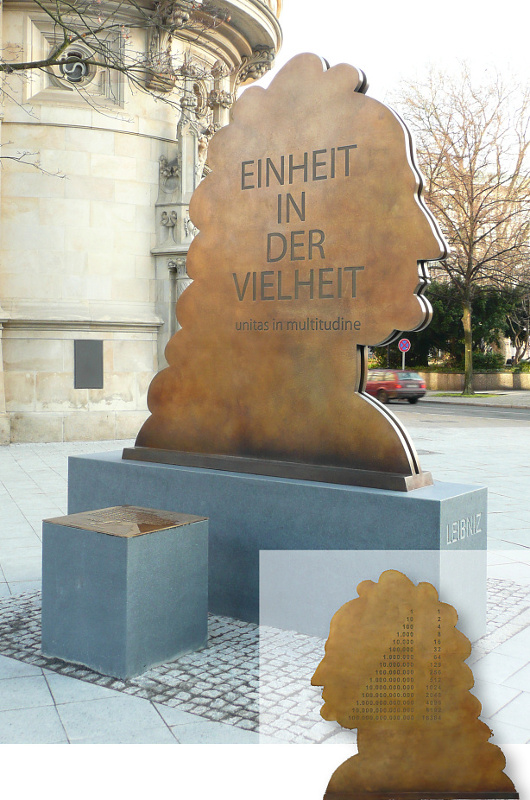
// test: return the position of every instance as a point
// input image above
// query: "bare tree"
(31, 158)
(473, 144)
(86, 35)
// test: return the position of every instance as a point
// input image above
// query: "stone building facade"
(94, 239)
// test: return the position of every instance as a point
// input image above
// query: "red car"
(395, 384)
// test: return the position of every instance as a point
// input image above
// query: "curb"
(456, 402)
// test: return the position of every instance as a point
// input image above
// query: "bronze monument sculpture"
(313, 245)
(394, 669)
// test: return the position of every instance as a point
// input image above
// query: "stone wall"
(454, 382)
(41, 398)
(94, 234)
(76, 264)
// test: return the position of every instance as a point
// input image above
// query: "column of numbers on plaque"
(389, 694)
(433, 687)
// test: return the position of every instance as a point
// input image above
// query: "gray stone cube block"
(120, 603)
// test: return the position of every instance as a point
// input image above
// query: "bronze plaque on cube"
(313, 243)
(394, 669)
(126, 521)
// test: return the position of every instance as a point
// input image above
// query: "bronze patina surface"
(394, 669)
(125, 521)
(312, 245)
(281, 469)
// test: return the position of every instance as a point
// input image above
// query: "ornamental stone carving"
(177, 266)
(161, 82)
(169, 220)
(188, 102)
(73, 66)
(255, 66)
(169, 169)
(173, 13)
(190, 69)
(202, 146)
(219, 70)
(220, 98)
(190, 228)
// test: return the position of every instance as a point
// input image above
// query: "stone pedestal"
(124, 588)
(436, 533)
(302, 589)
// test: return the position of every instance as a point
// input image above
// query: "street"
(430, 411)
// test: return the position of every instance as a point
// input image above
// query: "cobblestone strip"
(218, 683)
(289, 707)
(508, 614)
(250, 677)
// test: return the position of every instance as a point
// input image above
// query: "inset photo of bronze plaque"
(313, 245)
(394, 669)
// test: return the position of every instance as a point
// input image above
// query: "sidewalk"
(510, 398)
(214, 696)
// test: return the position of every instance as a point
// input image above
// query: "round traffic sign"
(404, 345)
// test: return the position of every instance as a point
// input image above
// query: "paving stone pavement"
(254, 678)
(252, 685)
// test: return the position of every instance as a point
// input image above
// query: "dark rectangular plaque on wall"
(88, 364)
